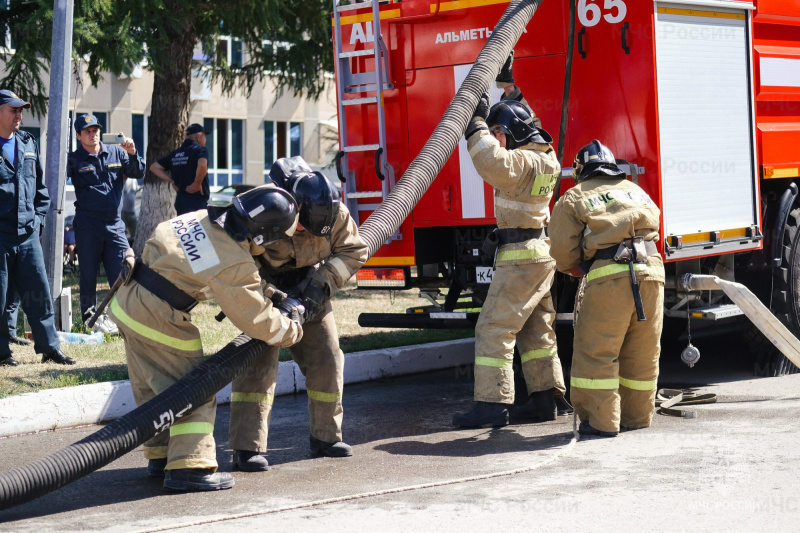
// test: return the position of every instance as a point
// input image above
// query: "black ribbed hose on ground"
(22, 484)
(25, 483)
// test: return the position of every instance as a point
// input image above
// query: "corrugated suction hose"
(28, 482)
(123, 435)
(385, 220)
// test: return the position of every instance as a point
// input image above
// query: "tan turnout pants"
(321, 362)
(615, 357)
(518, 311)
(162, 346)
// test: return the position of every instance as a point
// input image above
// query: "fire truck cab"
(699, 98)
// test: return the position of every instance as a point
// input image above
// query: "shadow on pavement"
(495, 442)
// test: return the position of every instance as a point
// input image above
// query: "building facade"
(247, 133)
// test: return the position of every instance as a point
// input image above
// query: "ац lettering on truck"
(701, 97)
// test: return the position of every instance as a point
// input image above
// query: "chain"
(689, 322)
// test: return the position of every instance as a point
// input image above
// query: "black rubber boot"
(586, 429)
(248, 461)
(155, 467)
(540, 407)
(483, 413)
(197, 479)
(58, 357)
(330, 449)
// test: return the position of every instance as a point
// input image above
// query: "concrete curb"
(101, 402)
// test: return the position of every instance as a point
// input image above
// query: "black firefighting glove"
(506, 72)
(313, 297)
(478, 121)
(293, 309)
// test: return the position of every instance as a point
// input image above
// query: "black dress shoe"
(19, 340)
(58, 357)
(8, 361)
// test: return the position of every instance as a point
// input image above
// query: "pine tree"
(287, 41)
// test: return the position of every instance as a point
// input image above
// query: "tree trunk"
(169, 118)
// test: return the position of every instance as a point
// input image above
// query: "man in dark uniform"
(188, 171)
(98, 172)
(23, 206)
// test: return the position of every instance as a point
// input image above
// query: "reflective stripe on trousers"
(614, 268)
(612, 384)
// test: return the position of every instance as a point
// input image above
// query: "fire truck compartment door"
(708, 179)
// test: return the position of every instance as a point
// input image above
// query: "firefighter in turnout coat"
(314, 264)
(515, 158)
(605, 228)
(196, 257)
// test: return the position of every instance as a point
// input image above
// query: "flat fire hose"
(666, 399)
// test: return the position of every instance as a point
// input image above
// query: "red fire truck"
(701, 97)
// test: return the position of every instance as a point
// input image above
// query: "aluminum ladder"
(349, 83)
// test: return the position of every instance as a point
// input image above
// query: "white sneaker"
(105, 325)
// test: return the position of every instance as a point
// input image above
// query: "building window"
(139, 125)
(35, 131)
(8, 42)
(225, 146)
(231, 50)
(281, 139)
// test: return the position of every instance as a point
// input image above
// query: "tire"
(770, 362)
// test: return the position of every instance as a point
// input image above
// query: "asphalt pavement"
(732, 468)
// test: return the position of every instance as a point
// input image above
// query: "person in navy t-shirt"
(188, 171)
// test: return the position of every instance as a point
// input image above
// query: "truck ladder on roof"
(348, 82)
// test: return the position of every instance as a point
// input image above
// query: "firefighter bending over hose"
(515, 158)
(605, 229)
(321, 256)
(195, 257)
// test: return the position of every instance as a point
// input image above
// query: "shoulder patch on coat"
(195, 242)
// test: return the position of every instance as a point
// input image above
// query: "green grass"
(106, 362)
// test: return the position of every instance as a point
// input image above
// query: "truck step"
(716, 312)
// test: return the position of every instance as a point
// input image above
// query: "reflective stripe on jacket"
(200, 258)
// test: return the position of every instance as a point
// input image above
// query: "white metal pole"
(58, 136)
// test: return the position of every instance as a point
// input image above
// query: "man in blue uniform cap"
(98, 173)
(188, 171)
(23, 205)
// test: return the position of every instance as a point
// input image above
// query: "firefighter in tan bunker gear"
(319, 258)
(615, 355)
(515, 158)
(196, 257)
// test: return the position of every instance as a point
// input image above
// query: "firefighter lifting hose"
(156, 416)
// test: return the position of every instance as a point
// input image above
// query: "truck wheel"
(785, 304)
